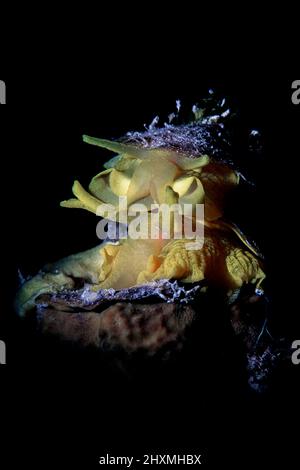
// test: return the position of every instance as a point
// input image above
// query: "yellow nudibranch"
(155, 175)
(147, 175)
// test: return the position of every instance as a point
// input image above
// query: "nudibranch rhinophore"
(101, 288)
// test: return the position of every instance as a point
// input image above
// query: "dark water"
(63, 406)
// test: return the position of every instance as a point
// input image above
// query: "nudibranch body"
(173, 164)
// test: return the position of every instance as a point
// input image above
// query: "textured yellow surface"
(164, 176)
(150, 176)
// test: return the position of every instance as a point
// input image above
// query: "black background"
(62, 408)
